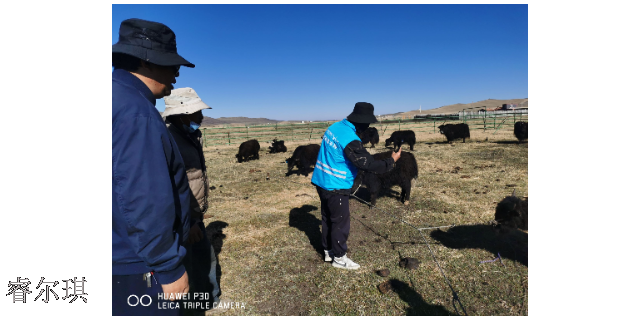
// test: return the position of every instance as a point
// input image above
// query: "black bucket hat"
(150, 41)
(362, 113)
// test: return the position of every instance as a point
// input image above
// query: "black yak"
(400, 137)
(370, 136)
(248, 149)
(277, 146)
(520, 130)
(512, 213)
(304, 157)
(455, 131)
(406, 168)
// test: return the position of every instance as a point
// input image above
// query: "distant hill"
(240, 121)
(244, 121)
(454, 108)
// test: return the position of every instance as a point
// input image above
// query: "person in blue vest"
(340, 157)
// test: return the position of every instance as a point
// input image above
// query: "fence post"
(484, 121)
(310, 132)
(229, 137)
(247, 132)
(204, 137)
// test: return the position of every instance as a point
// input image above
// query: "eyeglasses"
(176, 70)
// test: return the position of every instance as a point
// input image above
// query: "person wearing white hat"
(183, 117)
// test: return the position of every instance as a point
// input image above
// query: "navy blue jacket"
(150, 191)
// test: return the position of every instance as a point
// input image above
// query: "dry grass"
(270, 252)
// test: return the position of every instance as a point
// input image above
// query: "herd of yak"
(511, 212)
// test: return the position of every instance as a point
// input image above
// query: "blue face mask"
(192, 127)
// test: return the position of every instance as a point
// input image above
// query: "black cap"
(362, 113)
(150, 41)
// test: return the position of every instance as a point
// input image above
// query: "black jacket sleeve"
(363, 160)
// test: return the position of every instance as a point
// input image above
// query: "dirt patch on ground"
(280, 304)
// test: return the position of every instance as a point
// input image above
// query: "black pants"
(336, 221)
(200, 262)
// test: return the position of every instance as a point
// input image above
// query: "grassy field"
(266, 228)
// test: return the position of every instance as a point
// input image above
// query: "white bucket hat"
(183, 101)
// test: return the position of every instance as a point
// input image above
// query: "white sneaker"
(328, 255)
(345, 263)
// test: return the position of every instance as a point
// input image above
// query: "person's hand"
(195, 234)
(178, 287)
(396, 155)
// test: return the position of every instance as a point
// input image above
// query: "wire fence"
(264, 133)
(492, 121)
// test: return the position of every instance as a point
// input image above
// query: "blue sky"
(314, 62)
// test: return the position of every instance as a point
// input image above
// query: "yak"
(405, 169)
(455, 131)
(520, 129)
(370, 136)
(277, 146)
(511, 213)
(248, 149)
(304, 157)
(400, 137)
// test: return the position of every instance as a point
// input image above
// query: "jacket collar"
(128, 79)
(192, 137)
(349, 124)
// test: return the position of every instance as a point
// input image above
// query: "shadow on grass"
(252, 158)
(216, 238)
(303, 220)
(417, 305)
(510, 142)
(456, 141)
(216, 235)
(299, 172)
(513, 245)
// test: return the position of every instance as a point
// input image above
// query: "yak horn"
(514, 192)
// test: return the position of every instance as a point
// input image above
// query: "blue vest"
(332, 170)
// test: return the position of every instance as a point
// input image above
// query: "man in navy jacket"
(150, 191)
